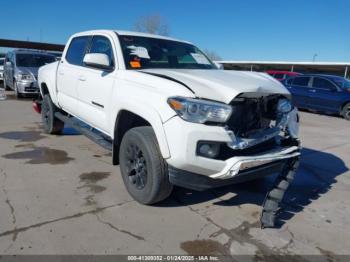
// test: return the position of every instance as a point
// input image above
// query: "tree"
(212, 55)
(153, 24)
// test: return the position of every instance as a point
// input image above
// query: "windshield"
(33, 60)
(146, 52)
(342, 82)
(346, 84)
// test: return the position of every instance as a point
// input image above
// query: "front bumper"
(200, 183)
(183, 138)
(28, 87)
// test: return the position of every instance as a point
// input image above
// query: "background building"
(334, 68)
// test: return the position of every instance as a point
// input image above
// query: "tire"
(52, 125)
(346, 111)
(144, 171)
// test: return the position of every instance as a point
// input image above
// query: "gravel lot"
(61, 195)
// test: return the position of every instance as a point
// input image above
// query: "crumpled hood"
(222, 85)
(28, 70)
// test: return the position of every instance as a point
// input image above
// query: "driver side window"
(102, 45)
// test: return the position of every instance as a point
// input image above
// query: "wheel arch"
(127, 119)
(47, 81)
(44, 89)
(342, 107)
(344, 104)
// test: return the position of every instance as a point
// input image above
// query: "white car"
(173, 117)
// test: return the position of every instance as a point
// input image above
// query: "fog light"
(210, 150)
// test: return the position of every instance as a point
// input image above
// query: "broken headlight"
(200, 111)
(284, 106)
(288, 117)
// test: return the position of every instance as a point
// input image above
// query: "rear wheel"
(52, 125)
(144, 171)
(346, 111)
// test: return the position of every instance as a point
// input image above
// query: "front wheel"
(346, 111)
(52, 125)
(144, 171)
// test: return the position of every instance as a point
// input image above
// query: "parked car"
(172, 116)
(282, 75)
(325, 93)
(21, 70)
(2, 60)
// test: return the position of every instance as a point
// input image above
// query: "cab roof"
(130, 33)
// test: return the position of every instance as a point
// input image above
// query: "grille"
(252, 114)
(31, 89)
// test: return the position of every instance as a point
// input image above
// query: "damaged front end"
(255, 120)
(271, 124)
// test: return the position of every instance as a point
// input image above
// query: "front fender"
(151, 115)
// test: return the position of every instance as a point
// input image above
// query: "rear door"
(68, 72)
(95, 86)
(324, 95)
(299, 88)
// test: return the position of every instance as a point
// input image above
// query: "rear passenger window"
(76, 50)
(102, 45)
(322, 84)
(301, 81)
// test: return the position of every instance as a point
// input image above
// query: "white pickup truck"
(172, 117)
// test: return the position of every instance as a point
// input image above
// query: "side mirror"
(98, 60)
(8, 63)
(219, 66)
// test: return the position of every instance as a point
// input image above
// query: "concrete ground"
(61, 195)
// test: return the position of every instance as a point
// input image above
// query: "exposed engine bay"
(255, 120)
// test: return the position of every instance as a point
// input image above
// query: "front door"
(324, 95)
(95, 87)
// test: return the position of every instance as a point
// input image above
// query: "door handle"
(61, 73)
(312, 90)
(82, 78)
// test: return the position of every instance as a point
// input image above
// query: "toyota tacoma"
(171, 116)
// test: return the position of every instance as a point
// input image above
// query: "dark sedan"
(326, 93)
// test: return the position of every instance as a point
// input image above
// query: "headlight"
(293, 123)
(284, 106)
(25, 77)
(200, 111)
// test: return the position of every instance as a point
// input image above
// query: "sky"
(268, 30)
